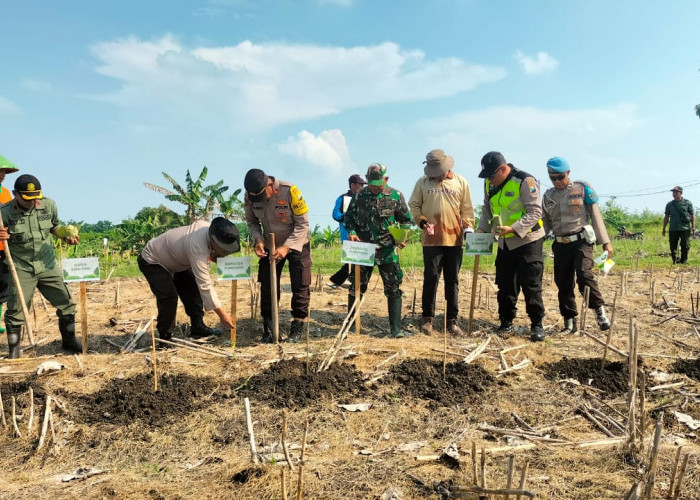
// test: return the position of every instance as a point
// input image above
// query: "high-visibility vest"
(506, 203)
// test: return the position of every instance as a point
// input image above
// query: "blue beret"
(558, 164)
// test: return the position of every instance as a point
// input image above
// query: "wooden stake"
(284, 483)
(273, 292)
(475, 276)
(483, 468)
(523, 478)
(584, 306)
(358, 283)
(413, 304)
(251, 434)
(674, 472)
(117, 300)
(300, 483)
(234, 311)
(642, 382)
(474, 466)
(45, 424)
(83, 315)
(605, 350)
(308, 345)
(284, 441)
(31, 411)
(153, 345)
(15, 279)
(14, 419)
(2, 412)
(681, 473)
(444, 352)
(653, 459)
(253, 287)
(509, 480)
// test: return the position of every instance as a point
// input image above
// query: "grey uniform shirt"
(284, 214)
(565, 212)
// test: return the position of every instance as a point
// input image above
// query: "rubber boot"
(570, 325)
(199, 329)
(537, 332)
(66, 326)
(602, 319)
(295, 331)
(394, 304)
(14, 335)
(505, 327)
(267, 337)
(2, 328)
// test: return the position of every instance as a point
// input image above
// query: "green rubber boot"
(2, 328)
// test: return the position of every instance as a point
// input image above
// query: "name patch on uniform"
(44, 217)
(510, 194)
(299, 206)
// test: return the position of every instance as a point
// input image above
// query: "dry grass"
(349, 455)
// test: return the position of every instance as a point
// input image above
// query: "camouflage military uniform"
(31, 245)
(369, 217)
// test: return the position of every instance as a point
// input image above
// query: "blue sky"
(97, 98)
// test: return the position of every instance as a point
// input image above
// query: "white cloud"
(328, 150)
(36, 85)
(263, 85)
(542, 63)
(7, 106)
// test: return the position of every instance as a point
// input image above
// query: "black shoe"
(570, 326)
(602, 319)
(506, 327)
(537, 332)
(295, 331)
(267, 337)
(199, 330)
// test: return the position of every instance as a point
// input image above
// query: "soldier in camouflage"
(31, 222)
(368, 218)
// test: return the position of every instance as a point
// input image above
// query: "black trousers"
(167, 288)
(4, 278)
(520, 269)
(342, 275)
(575, 260)
(684, 237)
(300, 276)
(448, 261)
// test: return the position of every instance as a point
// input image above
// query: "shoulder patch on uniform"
(531, 184)
(590, 197)
(299, 206)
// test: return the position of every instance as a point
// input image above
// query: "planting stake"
(308, 345)
(18, 287)
(681, 473)
(234, 311)
(300, 484)
(251, 434)
(2, 412)
(273, 291)
(474, 466)
(284, 441)
(584, 306)
(674, 472)
(31, 411)
(475, 275)
(14, 419)
(523, 478)
(284, 483)
(358, 278)
(153, 344)
(83, 315)
(117, 302)
(509, 480)
(45, 424)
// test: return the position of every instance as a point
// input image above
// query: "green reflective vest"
(506, 205)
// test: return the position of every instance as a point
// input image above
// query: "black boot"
(394, 304)
(537, 332)
(199, 329)
(267, 332)
(505, 327)
(66, 325)
(14, 335)
(295, 331)
(570, 325)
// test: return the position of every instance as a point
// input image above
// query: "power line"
(641, 192)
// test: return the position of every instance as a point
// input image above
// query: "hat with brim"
(255, 183)
(677, 188)
(437, 163)
(490, 163)
(28, 187)
(224, 234)
(376, 173)
(7, 166)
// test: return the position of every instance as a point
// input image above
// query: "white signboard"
(87, 269)
(233, 268)
(357, 252)
(478, 243)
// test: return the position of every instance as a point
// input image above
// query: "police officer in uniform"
(277, 206)
(30, 222)
(370, 214)
(512, 210)
(567, 208)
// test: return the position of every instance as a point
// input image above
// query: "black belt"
(570, 238)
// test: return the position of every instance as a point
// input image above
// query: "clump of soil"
(124, 401)
(612, 379)
(689, 367)
(286, 384)
(423, 378)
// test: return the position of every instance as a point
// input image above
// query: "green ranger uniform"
(31, 245)
(369, 217)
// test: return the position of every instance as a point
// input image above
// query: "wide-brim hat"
(7, 166)
(225, 234)
(437, 163)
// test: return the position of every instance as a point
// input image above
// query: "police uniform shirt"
(285, 213)
(31, 242)
(566, 211)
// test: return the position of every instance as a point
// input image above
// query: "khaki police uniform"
(285, 214)
(519, 262)
(31, 245)
(565, 212)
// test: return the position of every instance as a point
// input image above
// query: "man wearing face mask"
(568, 209)
(512, 211)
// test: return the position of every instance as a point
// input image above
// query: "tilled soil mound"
(612, 379)
(423, 378)
(286, 384)
(124, 401)
(689, 367)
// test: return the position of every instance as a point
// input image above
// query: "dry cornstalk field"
(475, 416)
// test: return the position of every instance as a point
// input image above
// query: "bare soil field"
(421, 409)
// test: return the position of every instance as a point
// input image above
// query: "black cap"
(255, 183)
(225, 234)
(356, 179)
(28, 187)
(490, 163)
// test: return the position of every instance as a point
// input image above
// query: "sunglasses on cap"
(557, 177)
